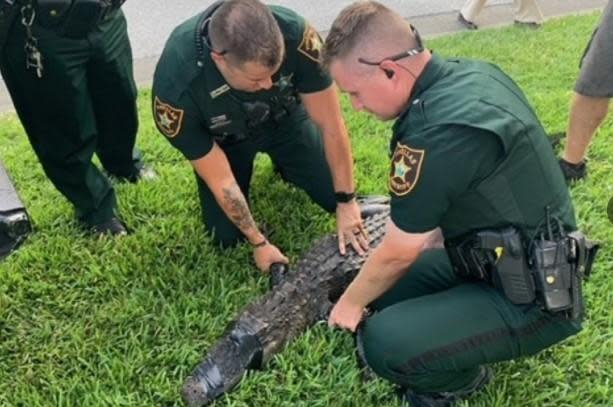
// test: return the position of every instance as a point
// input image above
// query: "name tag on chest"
(218, 122)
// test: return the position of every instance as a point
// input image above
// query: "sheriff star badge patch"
(311, 44)
(406, 168)
(168, 119)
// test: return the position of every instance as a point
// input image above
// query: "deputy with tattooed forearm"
(241, 78)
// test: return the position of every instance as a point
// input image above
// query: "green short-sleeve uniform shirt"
(469, 153)
(435, 167)
(194, 107)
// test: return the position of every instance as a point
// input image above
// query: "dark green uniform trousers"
(85, 103)
(295, 148)
(432, 330)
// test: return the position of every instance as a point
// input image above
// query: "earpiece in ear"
(389, 73)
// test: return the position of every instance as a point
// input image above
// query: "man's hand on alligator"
(350, 228)
(297, 300)
(346, 315)
(266, 255)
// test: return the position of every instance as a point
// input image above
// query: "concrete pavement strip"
(429, 25)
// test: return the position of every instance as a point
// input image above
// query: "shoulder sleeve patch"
(406, 169)
(168, 119)
(311, 44)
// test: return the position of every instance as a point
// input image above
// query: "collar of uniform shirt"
(433, 70)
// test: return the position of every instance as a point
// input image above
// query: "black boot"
(447, 398)
(468, 24)
(111, 227)
(573, 172)
(141, 173)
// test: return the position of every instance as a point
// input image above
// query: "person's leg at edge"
(113, 90)
(57, 115)
(469, 12)
(592, 93)
(586, 115)
(528, 12)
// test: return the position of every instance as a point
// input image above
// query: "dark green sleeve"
(447, 161)
(310, 77)
(180, 122)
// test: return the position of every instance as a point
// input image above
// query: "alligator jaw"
(202, 389)
(239, 351)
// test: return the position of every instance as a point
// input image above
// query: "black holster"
(495, 256)
(549, 272)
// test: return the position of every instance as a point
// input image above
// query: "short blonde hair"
(369, 26)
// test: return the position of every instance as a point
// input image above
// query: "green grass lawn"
(121, 322)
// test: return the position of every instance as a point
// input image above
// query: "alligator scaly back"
(262, 329)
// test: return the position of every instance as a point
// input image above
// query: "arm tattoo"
(238, 210)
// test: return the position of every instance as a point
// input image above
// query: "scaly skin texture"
(302, 298)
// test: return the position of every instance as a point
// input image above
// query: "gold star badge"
(168, 119)
(311, 44)
(406, 168)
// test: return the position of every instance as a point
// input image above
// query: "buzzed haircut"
(248, 32)
(370, 27)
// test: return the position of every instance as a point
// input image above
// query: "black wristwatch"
(344, 197)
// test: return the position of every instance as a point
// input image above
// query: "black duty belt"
(73, 18)
(548, 270)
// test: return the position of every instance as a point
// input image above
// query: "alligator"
(297, 300)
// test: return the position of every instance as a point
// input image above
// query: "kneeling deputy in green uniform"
(242, 78)
(470, 163)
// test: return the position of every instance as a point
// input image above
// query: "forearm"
(214, 169)
(232, 201)
(385, 266)
(377, 276)
(388, 263)
(338, 155)
(324, 109)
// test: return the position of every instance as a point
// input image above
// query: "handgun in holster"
(510, 271)
(498, 257)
